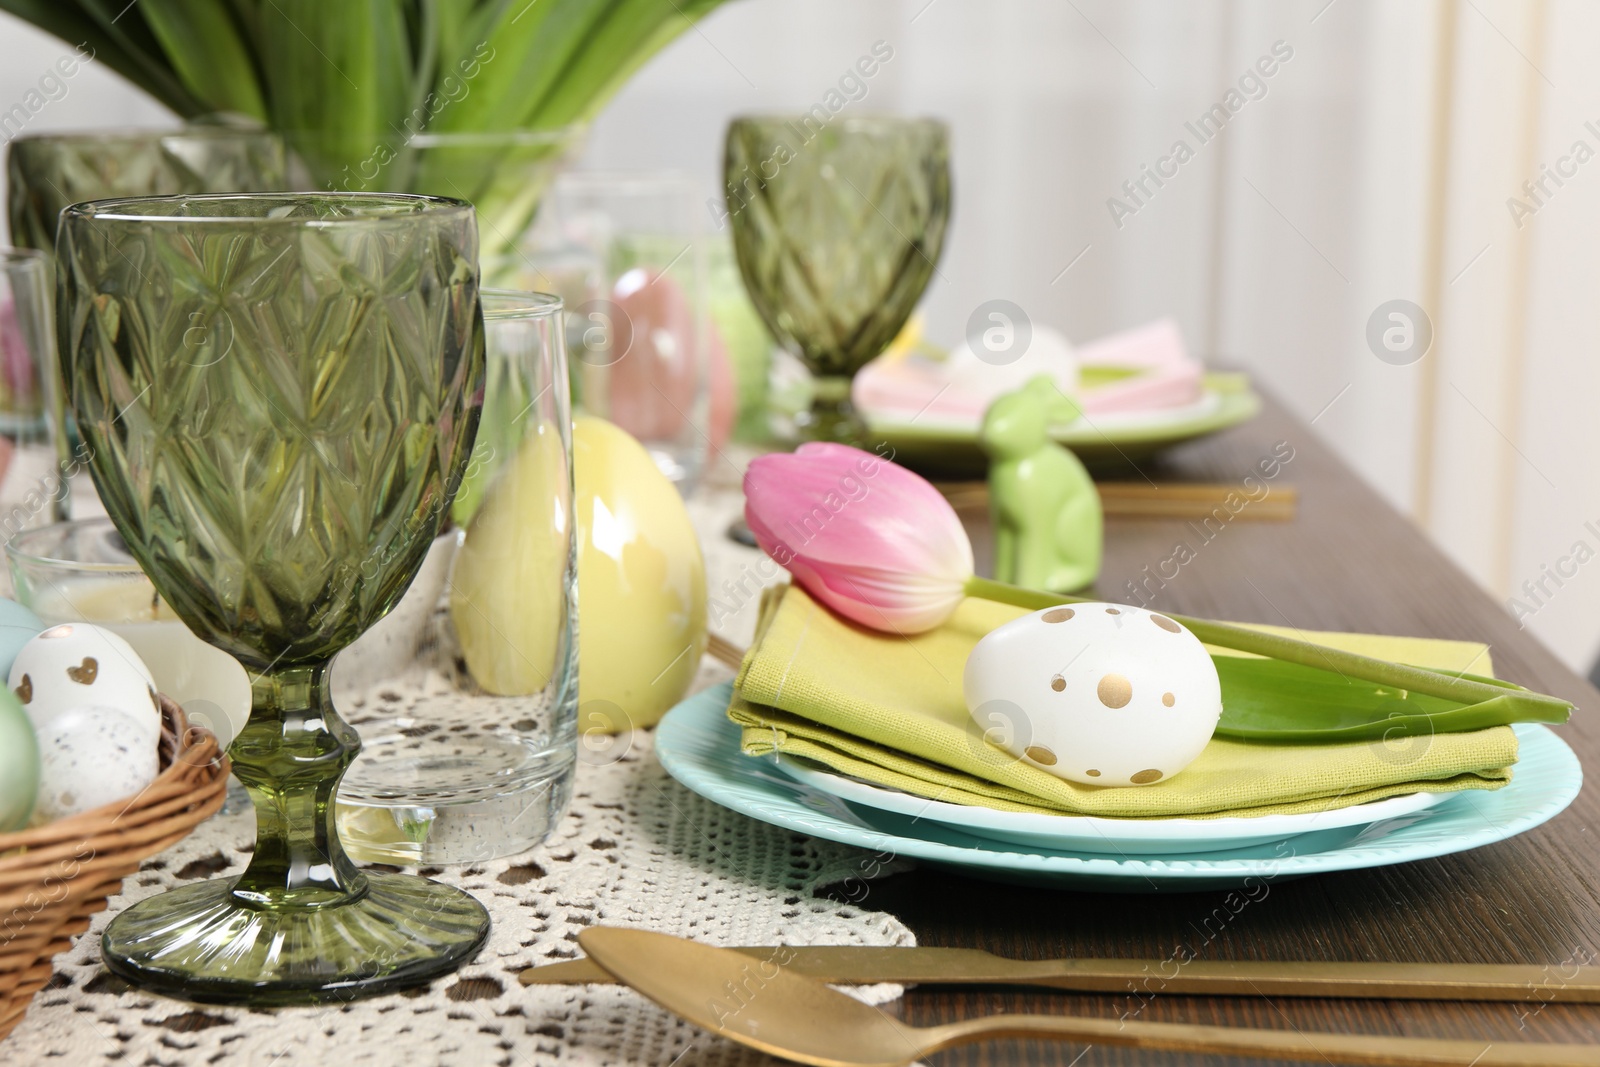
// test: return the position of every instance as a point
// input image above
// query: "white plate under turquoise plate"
(1116, 837)
(700, 748)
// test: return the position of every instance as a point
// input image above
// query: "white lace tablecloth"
(636, 849)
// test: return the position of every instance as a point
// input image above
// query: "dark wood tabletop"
(1347, 561)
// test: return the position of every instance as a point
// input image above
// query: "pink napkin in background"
(16, 370)
(1171, 378)
(16, 363)
(958, 389)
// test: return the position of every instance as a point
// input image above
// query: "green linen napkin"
(888, 709)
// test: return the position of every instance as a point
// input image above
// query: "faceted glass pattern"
(280, 393)
(47, 172)
(837, 228)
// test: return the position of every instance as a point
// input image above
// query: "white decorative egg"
(76, 664)
(1104, 694)
(91, 756)
(18, 626)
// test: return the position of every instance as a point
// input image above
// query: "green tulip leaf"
(96, 34)
(1273, 700)
(203, 42)
(339, 79)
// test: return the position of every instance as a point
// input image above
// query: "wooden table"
(1347, 562)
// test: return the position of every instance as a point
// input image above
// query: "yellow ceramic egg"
(515, 551)
(641, 582)
(641, 579)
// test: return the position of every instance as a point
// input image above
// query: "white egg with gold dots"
(1097, 693)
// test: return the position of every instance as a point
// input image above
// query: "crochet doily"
(636, 849)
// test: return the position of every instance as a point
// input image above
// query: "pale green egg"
(19, 764)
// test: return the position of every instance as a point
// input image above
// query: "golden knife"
(864, 965)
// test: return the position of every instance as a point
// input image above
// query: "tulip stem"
(1350, 665)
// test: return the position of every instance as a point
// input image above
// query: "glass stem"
(290, 756)
(833, 416)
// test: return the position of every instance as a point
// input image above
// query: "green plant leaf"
(76, 26)
(1271, 700)
(626, 39)
(523, 48)
(338, 78)
(452, 23)
(202, 42)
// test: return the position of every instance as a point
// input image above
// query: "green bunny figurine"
(1048, 528)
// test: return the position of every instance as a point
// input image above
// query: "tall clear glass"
(33, 476)
(468, 709)
(627, 253)
(48, 171)
(280, 395)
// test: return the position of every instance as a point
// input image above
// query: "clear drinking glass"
(468, 716)
(83, 572)
(48, 171)
(33, 476)
(626, 251)
(837, 229)
(280, 395)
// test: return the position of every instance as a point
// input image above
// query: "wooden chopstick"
(724, 651)
(1163, 500)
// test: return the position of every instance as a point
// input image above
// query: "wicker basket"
(66, 869)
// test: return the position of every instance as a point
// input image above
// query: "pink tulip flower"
(868, 538)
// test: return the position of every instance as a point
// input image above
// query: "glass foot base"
(199, 944)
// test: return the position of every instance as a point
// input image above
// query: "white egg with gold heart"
(77, 664)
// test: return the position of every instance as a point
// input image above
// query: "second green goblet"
(280, 392)
(837, 226)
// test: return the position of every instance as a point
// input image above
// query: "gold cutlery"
(864, 965)
(765, 1003)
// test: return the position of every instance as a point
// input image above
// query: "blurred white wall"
(1375, 163)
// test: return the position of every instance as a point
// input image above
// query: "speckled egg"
(91, 756)
(76, 664)
(1103, 694)
(18, 626)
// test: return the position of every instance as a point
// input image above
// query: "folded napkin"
(1134, 372)
(888, 709)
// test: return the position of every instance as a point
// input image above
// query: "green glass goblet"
(46, 172)
(280, 394)
(837, 227)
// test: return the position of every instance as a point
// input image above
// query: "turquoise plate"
(700, 748)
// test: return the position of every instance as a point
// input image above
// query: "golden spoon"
(762, 1002)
